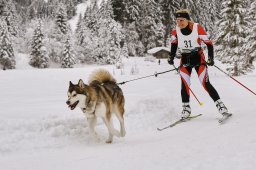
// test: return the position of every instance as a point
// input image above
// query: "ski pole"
(234, 79)
(200, 103)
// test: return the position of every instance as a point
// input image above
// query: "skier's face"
(181, 22)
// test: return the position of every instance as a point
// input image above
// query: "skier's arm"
(174, 47)
(205, 38)
(174, 43)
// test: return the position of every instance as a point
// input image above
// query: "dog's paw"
(109, 141)
(123, 133)
(117, 133)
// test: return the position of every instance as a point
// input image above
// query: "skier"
(187, 36)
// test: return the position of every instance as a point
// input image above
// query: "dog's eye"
(74, 95)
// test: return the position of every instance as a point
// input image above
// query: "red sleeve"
(203, 36)
(174, 39)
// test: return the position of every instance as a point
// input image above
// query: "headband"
(182, 15)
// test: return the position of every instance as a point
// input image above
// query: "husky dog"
(100, 98)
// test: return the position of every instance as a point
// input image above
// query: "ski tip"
(201, 103)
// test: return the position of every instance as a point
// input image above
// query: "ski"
(224, 118)
(179, 121)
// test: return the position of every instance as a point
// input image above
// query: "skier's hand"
(170, 59)
(210, 62)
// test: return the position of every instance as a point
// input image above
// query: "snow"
(38, 131)
(81, 9)
(156, 49)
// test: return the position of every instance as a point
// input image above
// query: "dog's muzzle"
(72, 106)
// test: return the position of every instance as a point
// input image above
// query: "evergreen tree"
(118, 10)
(71, 8)
(124, 51)
(61, 19)
(91, 17)
(68, 59)
(7, 59)
(59, 34)
(205, 13)
(132, 39)
(79, 25)
(251, 43)
(109, 35)
(148, 24)
(159, 32)
(232, 33)
(87, 36)
(44, 9)
(168, 10)
(9, 13)
(39, 57)
(133, 9)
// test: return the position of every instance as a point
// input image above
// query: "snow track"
(38, 134)
(61, 131)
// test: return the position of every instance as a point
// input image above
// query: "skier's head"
(182, 18)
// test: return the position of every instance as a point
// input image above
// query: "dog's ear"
(81, 84)
(70, 83)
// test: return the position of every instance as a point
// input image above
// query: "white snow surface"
(39, 132)
(81, 9)
(156, 49)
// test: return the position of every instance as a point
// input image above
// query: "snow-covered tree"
(118, 10)
(71, 8)
(39, 57)
(168, 10)
(59, 34)
(109, 35)
(206, 15)
(91, 17)
(86, 37)
(251, 43)
(132, 39)
(148, 24)
(61, 19)
(232, 33)
(7, 59)
(133, 9)
(79, 26)
(124, 50)
(68, 58)
(10, 15)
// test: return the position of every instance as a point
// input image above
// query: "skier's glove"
(170, 59)
(210, 62)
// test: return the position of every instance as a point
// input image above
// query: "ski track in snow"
(59, 131)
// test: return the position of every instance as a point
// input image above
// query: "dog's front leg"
(92, 123)
(90, 109)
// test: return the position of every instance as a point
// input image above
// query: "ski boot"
(186, 111)
(221, 107)
(222, 110)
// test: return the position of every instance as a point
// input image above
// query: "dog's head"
(77, 95)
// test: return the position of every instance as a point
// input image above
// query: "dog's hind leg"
(119, 112)
(111, 130)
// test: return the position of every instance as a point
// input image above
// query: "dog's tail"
(101, 75)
